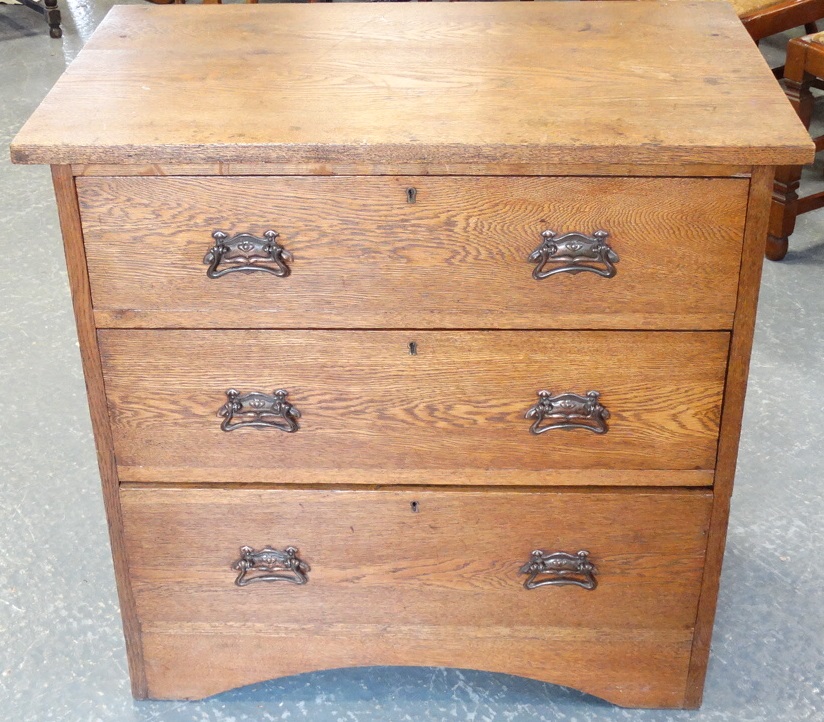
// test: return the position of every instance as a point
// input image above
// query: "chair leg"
(784, 209)
(53, 18)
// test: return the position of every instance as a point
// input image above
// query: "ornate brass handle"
(270, 565)
(259, 410)
(568, 411)
(559, 569)
(245, 253)
(573, 253)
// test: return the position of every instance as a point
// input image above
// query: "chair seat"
(745, 7)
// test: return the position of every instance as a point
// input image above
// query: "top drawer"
(371, 252)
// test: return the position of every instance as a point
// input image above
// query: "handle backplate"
(246, 253)
(559, 569)
(270, 565)
(573, 253)
(568, 411)
(259, 410)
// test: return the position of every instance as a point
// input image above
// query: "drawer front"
(417, 578)
(360, 254)
(454, 411)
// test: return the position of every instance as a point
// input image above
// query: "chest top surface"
(555, 82)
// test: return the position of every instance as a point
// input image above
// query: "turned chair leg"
(784, 208)
(53, 18)
(783, 211)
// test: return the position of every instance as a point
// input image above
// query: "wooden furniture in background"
(763, 19)
(411, 277)
(805, 66)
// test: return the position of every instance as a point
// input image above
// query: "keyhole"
(414, 507)
(413, 348)
(411, 195)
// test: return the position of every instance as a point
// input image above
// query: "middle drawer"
(390, 407)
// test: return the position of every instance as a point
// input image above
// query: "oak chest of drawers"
(417, 336)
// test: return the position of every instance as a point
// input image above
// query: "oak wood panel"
(432, 168)
(628, 670)
(733, 411)
(367, 403)
(416, 83)
(69, 214)
(381, 477)
(456, 258)
(438, 586)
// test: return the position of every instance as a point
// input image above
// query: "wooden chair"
(803, 70)
(763, 19)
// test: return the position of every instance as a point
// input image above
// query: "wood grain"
(458, 404)
(432, 168)
(379, 478)
(456, 258)
(418, 83)
(439, 586)
(733, 411)
(66, 196)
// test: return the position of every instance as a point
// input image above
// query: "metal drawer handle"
(560, 569)
(259, 410)
(573, 253)
(568, 411)
(270, 565)
(245, 253)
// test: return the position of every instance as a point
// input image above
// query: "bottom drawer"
(422, 577)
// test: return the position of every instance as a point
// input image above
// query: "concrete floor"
(62, 655)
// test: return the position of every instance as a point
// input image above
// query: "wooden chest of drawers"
(417, 335)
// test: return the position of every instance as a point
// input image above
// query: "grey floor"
(61, 650)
